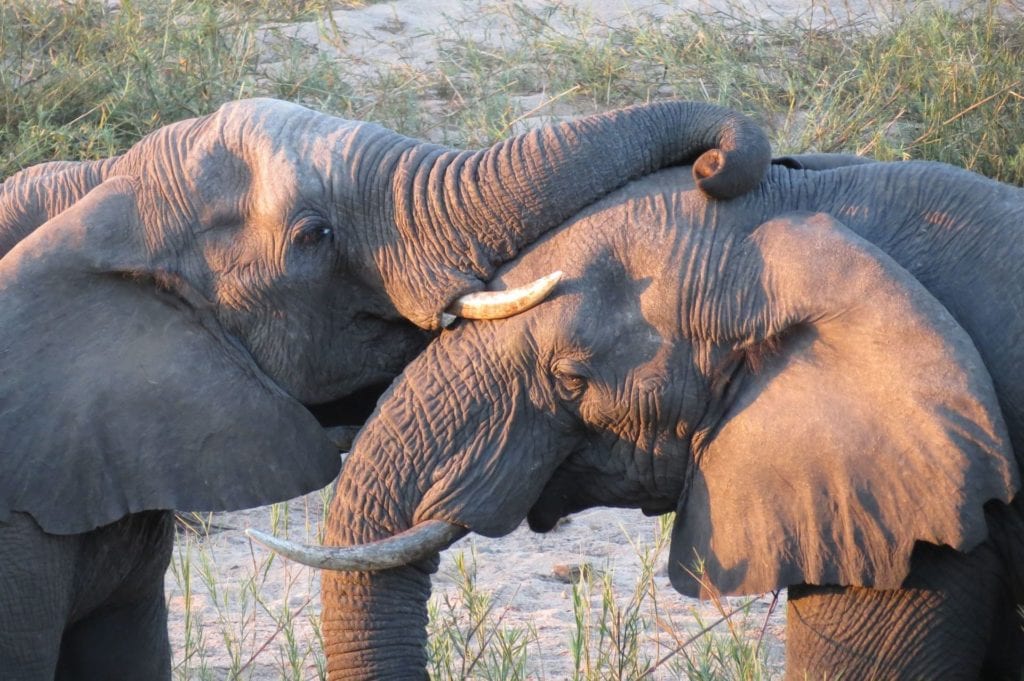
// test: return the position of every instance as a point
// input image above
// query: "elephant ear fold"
(859, 420)
(118, 396)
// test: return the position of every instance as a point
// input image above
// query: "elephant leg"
(35, 599)
(119, 630)
(124, 643)
(940, 625)
(1006, 531)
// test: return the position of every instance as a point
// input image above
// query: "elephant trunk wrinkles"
(473, 211)
(375, 622)
(535, 181)
(412, 464)
(377, 629)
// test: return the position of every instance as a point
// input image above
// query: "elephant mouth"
(558, 499)
(578, 485)
(544, 516)
(551, 508)
(553, 505)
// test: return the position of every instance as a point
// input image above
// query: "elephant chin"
(544, 516)
(554, 504)
(551, 508)
(564, 495)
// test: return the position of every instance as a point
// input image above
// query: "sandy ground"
(404, 30)
(243, 611)
(250, 611)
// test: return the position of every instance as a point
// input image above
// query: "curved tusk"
(502, 304)
(418, 542)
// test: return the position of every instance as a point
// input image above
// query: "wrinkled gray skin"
(167, 316)
(817, 395)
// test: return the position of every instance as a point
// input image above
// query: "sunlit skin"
(814, 393)
(176, 322)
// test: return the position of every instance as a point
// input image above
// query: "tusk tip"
(552, 279)
(268, 540)
(253, 533)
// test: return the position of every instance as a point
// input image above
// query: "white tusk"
(418, 542)
(502, 304)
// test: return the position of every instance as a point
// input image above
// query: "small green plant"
(710, 653)
(469, 639)
(242, 619)
(608, 643)
(616, 635)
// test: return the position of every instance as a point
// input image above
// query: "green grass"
(469, 637)
(80, 81)
(620, 634)
(236, 619)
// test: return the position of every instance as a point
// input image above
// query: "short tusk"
(418, 542)
(502, 304)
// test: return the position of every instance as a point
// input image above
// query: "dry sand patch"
(523, 572)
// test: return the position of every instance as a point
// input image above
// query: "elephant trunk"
(374, 623)
(377, 629)
(33, 196)
(464, 213)
(457, 452)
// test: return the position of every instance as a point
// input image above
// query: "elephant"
(823, 378)
(179, 323)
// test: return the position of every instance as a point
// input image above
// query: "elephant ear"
(860, 419)
(117, 396)
(34, 195)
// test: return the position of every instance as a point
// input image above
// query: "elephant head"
(806, 407)
(168, 315)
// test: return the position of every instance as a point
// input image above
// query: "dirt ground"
(527, 575)
(243, 611)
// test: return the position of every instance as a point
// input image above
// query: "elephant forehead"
(630, 223)
(264, 117)
(273, 133)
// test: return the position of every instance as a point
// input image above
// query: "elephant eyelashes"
(312, 233)
(570, 378)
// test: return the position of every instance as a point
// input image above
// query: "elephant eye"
(311, 232)
(570, 377)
